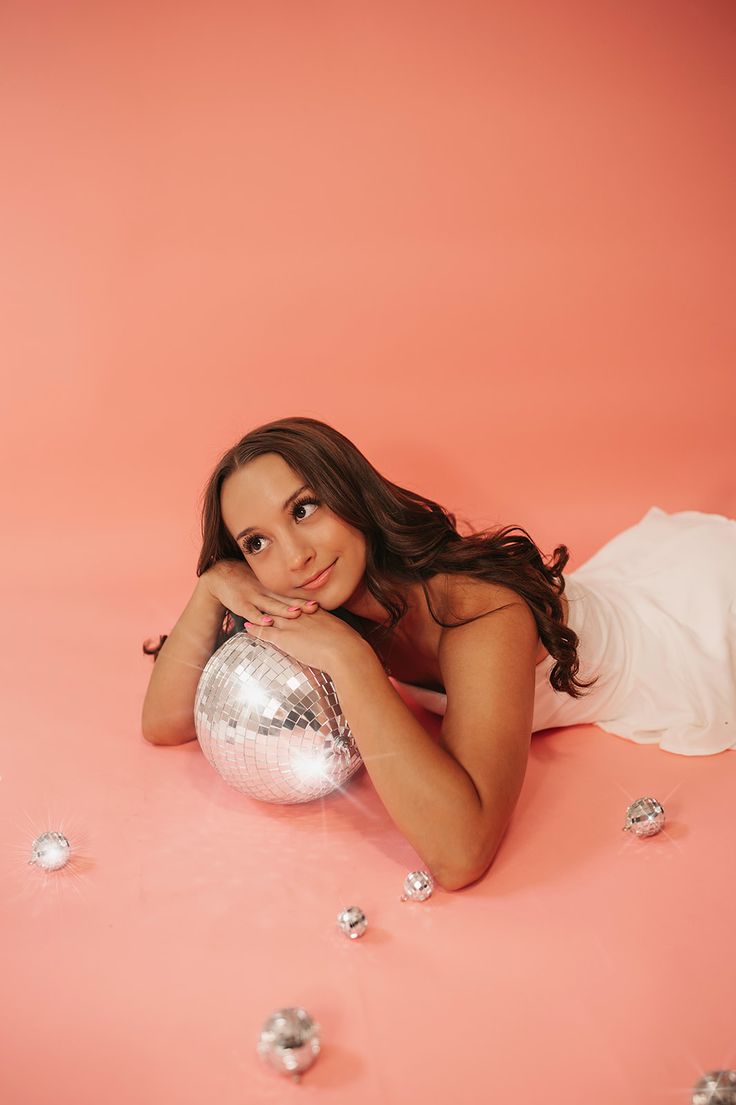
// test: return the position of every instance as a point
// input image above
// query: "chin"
(331, 602)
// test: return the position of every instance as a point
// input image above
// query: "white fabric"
(655, 611)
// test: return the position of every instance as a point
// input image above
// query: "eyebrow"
(287, 504)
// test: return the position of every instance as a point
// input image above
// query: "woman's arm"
(168, 708)
(229, 585)
(451, 800)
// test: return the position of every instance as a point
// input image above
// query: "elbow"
(148, 729)
(156, 731)
(166, 738)
(464, 870)
(459, 878)
(151, 735)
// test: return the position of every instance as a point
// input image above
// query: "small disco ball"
(289, 1041)
(270, 726)
(644, 817)
(352, 921)
(50, 851)
(716, 1087)
(418, 886)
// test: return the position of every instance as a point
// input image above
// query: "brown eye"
(249, 541)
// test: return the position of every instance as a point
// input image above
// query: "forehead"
(256, 491)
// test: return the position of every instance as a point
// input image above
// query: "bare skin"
(412, 651)
(451, 797)
(290, 547)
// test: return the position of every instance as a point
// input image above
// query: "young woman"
(307, 545)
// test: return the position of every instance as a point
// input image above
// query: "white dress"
(655, 612)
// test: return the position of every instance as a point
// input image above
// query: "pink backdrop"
(494, 245)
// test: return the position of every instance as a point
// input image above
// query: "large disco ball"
(270, 726)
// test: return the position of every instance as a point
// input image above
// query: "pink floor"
(586, 958)
(494, 245)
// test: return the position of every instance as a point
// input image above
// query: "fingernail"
(249, 625)
(293, 608)
(266, 621)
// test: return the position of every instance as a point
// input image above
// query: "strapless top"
(655, 613)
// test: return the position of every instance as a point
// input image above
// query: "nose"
(299, 561)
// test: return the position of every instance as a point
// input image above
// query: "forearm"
(168, 708)
(429, 795)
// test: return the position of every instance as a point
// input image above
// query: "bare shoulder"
(466, 596)
(502, 635)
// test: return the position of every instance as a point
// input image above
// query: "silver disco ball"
(270, 726)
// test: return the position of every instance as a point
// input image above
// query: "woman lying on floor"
(307, 545)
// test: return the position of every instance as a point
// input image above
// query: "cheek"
(345, 536)
(353, 556)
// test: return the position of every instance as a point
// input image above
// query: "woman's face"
(287, 547)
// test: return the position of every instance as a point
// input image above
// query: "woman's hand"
(322, 641)
(236, 586)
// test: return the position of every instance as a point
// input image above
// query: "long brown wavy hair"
(409, 538)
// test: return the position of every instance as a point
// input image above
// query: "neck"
(364, 605)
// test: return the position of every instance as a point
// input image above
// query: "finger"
(270, 609)
(257, 630)
(253, 615)
(282, 609)
(293, 608)
(285, 606)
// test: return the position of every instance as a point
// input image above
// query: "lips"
(317, 575)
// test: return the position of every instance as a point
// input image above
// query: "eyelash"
(306, 501)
